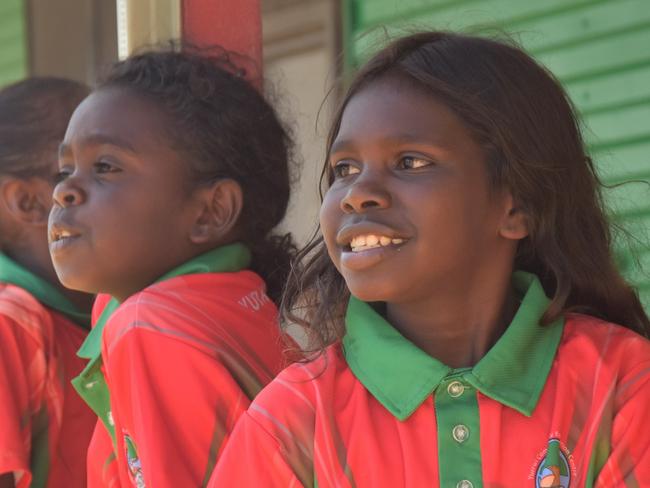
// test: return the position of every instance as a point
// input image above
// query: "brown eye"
(413, 162)
(105, 167)
(61, 175)
(343, 169)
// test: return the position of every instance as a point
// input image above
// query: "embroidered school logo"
(135, 467)
(554, 469)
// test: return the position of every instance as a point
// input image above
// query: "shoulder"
(590, 332)
(592, 342)
(20, 308)
(303, 390)
(200, 309)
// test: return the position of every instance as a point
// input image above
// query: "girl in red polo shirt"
(463, 294)
(173, 173)
(45, 427)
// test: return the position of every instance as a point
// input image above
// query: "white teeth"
(358, 241)
(64, 233)
(371, 241)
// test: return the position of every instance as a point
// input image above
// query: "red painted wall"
(233, 24)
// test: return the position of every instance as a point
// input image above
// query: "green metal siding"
(13, 41)
(600, 51)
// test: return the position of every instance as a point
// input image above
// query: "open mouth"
(372, 241)
(60, 236)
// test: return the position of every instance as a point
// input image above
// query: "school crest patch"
(135, 467)
(554, 468)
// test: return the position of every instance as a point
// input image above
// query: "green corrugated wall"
(13, 41)
(599, 49)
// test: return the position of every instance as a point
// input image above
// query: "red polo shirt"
(181, 361)
(563, 405)
(45, 427)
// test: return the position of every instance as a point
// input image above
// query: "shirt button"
(455, 389)
(460, 433)
(464, 484)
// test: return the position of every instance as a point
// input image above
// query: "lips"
(366, 243)
(365, 232)
(61, 234)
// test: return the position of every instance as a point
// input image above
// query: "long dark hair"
(520, 115)
(227, 129)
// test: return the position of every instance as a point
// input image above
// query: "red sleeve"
(253, 457)
(628, 463)
(20, 356)
(174, 406)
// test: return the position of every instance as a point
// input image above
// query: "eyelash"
(414, 158)
(110, 168)
(61, 175)
(340, 168)
(102, 167)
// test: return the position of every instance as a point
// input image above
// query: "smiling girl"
(173, 173)
(463, 294)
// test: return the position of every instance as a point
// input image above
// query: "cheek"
(330, 214)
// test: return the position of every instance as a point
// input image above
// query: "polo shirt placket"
(459, 447)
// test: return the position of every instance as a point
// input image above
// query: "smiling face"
(122, 212)
(410, 213)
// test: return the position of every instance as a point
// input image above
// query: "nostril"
(369, 204)
(69, 198)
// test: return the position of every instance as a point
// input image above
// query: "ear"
(28, 201)
(220, 206)
(514, 224)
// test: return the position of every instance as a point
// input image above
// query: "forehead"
(120, 114)
(395, 108)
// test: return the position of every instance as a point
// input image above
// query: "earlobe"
(28, 201)
(220, 206)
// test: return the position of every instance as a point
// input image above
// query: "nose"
(68, 193)
(367, 192)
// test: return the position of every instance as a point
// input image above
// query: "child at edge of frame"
(173, 174)
(45, 427)
(461, 298)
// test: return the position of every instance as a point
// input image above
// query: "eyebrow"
(345, 145)
(99, 139)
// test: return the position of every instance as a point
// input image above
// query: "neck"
(459, 325)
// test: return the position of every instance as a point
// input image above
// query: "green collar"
(401, 376)
(225, 259)
(46, 293)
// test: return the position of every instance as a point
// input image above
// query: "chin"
(72, 282)
(370, 292)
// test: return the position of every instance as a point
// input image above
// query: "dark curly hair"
(34, 114)
(226, 129)
(530, 134)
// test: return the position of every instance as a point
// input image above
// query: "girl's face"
(410, 213)
(122, 210)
